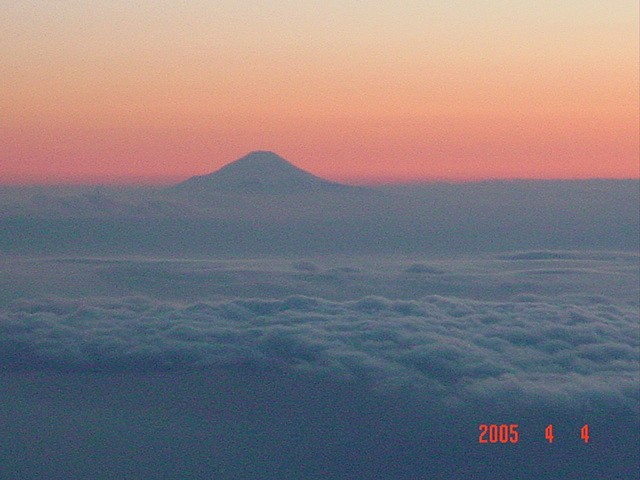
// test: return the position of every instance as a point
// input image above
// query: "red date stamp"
(508, 433)
(504, 433)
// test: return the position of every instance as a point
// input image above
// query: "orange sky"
(367, 92)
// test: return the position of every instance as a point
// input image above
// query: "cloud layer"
(542, 349)
(435, 218)
(319, 366)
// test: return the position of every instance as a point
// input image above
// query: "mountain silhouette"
(259, 172)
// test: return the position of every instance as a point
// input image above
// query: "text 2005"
(505, 433)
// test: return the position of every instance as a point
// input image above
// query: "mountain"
(259, 172)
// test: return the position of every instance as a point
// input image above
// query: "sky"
(361, 92)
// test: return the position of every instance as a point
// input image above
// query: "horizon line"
(155, 181)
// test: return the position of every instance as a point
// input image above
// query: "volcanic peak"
(259, 172)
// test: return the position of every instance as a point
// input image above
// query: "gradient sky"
(157, 91)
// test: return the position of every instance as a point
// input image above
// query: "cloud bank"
(319, 366)
(568, 350)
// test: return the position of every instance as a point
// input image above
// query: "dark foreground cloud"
(573, 350)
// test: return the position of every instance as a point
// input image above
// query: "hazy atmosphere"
(319, 240)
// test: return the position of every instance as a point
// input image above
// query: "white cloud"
(546, 348)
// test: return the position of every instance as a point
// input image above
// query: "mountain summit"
(259, 172)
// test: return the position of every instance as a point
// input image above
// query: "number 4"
(584, 433)
(548, 433)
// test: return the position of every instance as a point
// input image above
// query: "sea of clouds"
(550, 326)
(545, 349)
(334, 366)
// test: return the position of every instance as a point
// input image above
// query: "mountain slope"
(259, 172)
